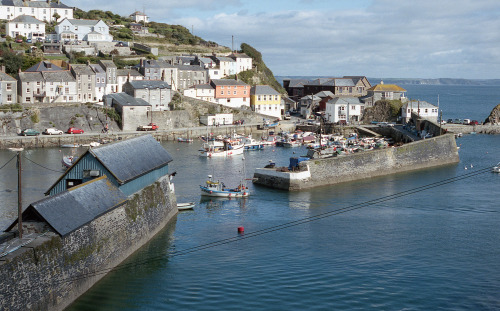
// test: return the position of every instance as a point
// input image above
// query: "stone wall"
(417, 155)
(51, 272)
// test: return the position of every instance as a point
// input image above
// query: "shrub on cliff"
(383, 110)
(494, 117)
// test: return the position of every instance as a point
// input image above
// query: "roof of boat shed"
(72, 209)
(131, 158)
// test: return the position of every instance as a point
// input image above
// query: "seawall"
(421, 154)
(45, 141)
(52, 271)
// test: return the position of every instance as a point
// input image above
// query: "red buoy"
(241, 229)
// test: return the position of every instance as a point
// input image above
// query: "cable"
(274, 228)
(282, 226)
(8, 162)
(57, 171)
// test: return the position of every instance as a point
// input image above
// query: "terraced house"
(345, 86)
(230, 92)
(266, 100)
(8, 88)
(41, 10)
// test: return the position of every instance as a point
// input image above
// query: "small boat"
(91, 144)
(184, 140)
(71, 145)
(67, 161)
(291, 144)
(185, 206)
(222, 149)
(218, 189)
(496, 169)
(16, 149)
(252, 144)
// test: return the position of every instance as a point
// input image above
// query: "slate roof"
(418, 103)
(152, 63)
(344, 82)
(386, 88)
(240, 55)
(202, 86)
(82, 69)
(34, 4)
(149, 84)
(30, 76)
(298, 82)
(6, 78)
(132, 158)
(225, 82)
(60, 76)
(108, 63)
(43, 66)
(71, 209)
(225, 59)
(126, 72)
(351, 100)
(83, 22)
(324, 94)
(27, 19)
(189, 68)
(123, 99)
(263, 90)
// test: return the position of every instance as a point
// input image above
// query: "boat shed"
(69, 210)
(130, 165)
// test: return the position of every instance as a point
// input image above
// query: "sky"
(373, 38)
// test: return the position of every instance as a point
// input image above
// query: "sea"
(421, 240)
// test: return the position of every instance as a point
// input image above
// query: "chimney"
(128, 77)
(2, 68)
(142, 62)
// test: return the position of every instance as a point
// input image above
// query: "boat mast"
(19, 196)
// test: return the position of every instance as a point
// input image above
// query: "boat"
(67, 161)
(496, 169)
(252, 144)
(291, 144)
(16, 149)
(91, 144)
(184, 140)
(71, 146)
(185, 206)
(217, 188)
(222, 149)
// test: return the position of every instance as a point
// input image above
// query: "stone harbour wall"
(422, 154)
(51, 272)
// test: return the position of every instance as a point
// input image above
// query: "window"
(66, 90)
(9, 97)
(265, 97)
(221, 92)
(234, 93)
(275, 97)
(27, 90)
(258, 97)
(244, 92)
(28, 99)
(222, 87)
(9, 86)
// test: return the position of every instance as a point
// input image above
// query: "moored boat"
(217, 188)
(185, 206)
(67, 161)
(222, 149)
(496, 169)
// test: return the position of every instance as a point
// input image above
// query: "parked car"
(19, 40)
(28, 40)
(287, 116)
(449, 121)
(474, 122)
(74, 130)
(52, 131)
(466, 122)
(30, 132)
(457, 121)
(443, 122)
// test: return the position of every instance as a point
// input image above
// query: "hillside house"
(26, 26)
(384, 91)
(204, 92)
(231, 93)
(266, 100)
(83, 30)
(421, 108)
(344, 110)
(157, 93)
(41, 10)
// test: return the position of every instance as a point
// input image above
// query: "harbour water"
(370, 244)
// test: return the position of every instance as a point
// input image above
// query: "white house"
(344, 110)
(41, 10)
(421, 108)
(217, 119)
(204, 92)
(139, 17)
(26, 26)
(243, 62)
(83, 30)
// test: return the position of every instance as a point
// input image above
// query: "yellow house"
(266, 100)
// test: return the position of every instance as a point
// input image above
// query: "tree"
(12, 62)
(56, 17)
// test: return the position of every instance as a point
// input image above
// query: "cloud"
(386, 38)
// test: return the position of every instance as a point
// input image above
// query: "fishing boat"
(496, 169)
(216, 188)
(71, 145)
(221, 149)
(185, 206)
(16, 149)
(184, 140)
(252, 144)
(67, 161)
(291, 144)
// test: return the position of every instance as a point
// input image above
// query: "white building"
(41, 10)
(243, 62)
(139, 17)
(26, 26)
(344, 110)
(217, 119)
(421, 108)
(83, 30)
(202, 92)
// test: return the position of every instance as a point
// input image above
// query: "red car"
(74, 130)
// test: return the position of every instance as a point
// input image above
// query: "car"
(52, 131)
(457, 121)
(449, 121)
(474, 122)
(19, 40)
(443, 122)
(466, 122)
(28, 40)
(30, 132)
(74, 130)
(287, 116)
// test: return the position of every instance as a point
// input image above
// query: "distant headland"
(416, 81)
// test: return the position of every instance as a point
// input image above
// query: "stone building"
(157, 93)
